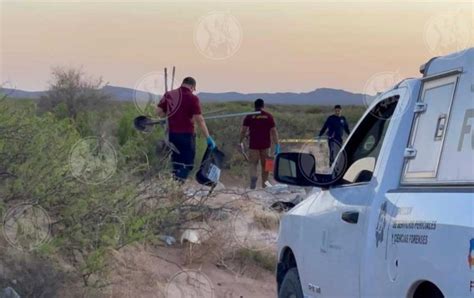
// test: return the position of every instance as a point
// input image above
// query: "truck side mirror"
(295, 168)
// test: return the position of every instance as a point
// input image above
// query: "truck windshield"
(363, 148)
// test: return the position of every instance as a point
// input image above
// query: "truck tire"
(291, 285)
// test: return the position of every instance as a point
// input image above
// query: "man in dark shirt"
(335, 126)
(262, 132)
(182, 109)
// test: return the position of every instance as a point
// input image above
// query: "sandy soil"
(206, 269)
(139, 272)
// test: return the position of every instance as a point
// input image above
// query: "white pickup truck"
(394, 217)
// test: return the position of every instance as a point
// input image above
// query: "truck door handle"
(351, 217)
(440, 127)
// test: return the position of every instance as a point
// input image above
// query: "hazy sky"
(260, 46)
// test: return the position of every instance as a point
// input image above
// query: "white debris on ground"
(268, 196)
(169, 240)
(280, 193)
(191, 236)
(253, 215)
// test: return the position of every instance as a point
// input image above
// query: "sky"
(243, 46)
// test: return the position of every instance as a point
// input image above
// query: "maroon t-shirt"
(259, 130)
(180, 105)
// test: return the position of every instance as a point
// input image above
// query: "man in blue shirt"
(335, 126)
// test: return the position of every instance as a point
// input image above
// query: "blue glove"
(210, 143)
(277, 149)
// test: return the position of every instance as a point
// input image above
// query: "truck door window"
(363, 148)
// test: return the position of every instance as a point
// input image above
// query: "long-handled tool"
(142, 122)
(242, 151)
(166, 79)
(167, 136)
(172, 78)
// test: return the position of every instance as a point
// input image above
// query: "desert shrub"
(266, 219)
(87, 219)
(70, 92)
(264, 259)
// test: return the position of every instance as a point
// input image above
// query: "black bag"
(210, 170)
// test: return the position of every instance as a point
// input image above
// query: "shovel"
(141, 123)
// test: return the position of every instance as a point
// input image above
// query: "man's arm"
(161, 106)
(274, 135)
(199, 119)
(346, 126)
(325, 126)
(243, 133)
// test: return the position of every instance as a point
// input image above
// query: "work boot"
(253, 182)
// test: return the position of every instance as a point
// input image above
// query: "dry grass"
(266, 219)
(260, 258)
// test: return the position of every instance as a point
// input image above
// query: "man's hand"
(210, 142)
(160, 112)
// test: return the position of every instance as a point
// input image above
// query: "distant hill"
(321, 96)
(15, 93)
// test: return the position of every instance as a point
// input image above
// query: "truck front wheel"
(291, 285)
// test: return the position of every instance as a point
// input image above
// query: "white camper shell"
(395, 218)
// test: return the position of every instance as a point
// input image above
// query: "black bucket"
(210, 169)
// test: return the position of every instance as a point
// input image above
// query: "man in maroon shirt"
(262, 132)
(182, 108)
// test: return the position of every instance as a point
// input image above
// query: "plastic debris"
(277, 188)
(191, 236)
(169, 240)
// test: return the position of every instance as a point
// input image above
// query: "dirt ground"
(232, 254)
(213, 268)
(201, 270)
(139, 272)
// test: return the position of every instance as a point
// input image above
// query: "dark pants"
(183, 162)
(334, 147)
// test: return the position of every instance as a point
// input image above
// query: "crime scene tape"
(302, 140)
